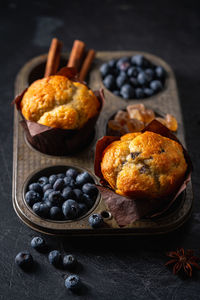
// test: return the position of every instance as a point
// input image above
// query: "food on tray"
(56, 101)
(63, 196)
(133, 77)
(144, 165)
(135, 118)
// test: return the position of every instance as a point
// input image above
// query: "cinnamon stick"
(76, 55)
(86, 64)
(53, 59)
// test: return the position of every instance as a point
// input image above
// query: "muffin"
(59, 102)
(144, 165)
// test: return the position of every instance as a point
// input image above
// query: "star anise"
(184, 260)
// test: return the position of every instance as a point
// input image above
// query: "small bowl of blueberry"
(61, 193)
(133, 77)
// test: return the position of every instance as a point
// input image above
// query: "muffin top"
(56, 101)
(144, 165)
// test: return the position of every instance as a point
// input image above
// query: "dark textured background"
(120, 268)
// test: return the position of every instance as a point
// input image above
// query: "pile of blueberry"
(63, 196)
(133, 77)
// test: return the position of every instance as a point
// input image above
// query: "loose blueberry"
(38, 243)
(43, 180)
(24, 260)
(150, 74)
(142, 78)
(89, 201)
(55, 213)
(139, 93)
(109, 82)
(59, 184)
(132, 72)
(148, 92)
(70, 209)
(83, 178)
(133, 81)
(72, 173)
(83, 209)
(95, 220)
(36, 187)
(47, 192)
(156, 85)
(46, 187)
(55, 258)
(78, 195)
(41, 209)
(120, 80)
(117, 93)
(73, 283)
(68, 193)
(90, 189)
(61, 175)
(32, 197)
(104, 69)
(69, 262)
(52, 179)
(160, 72)
(56, 198)
(127, 91)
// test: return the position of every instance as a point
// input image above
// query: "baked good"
(144, 165)
(56, 101)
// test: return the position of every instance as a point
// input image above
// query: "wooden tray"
(28, 161)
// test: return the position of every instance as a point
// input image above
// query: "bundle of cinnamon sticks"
(79, 58)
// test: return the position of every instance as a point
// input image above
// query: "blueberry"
(148, 92)
(72, 173)
(160, 72)
(133, 81)
(24, 260)
(117, 93)
(139, 60)
(124, 66)
(104, 69)
(47, 192)
(73, 283)
(142, 78)
(109, 82)
(41, 209)
(139, 93)
(55, 213)
(61, 175)
(55, 198)
(69, 182)
(83, 208)
(46, 187)
(127, 91)
(55, 258)
(112, 63)
(68, 193)
(78, 195)
(83, 178)
(156, 85)
(32, 197)
(120, 80)
(38, 243)
(150, 74)
(52, 179)
(122, 61)
(132, 72)
(36, 187)
(43, 180)
(69, 261)
(70, 209)
(90, 189)
(89, 201)
(96, 220)
(59, 184)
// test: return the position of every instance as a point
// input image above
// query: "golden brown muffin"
(58, 102)
(144, 165)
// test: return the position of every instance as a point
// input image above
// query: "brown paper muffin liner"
(58, 141)
(127, 210)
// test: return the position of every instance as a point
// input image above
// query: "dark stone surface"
(111, 268)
